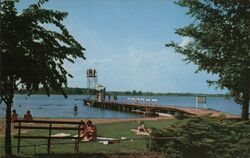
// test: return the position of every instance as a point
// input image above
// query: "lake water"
(58, 106)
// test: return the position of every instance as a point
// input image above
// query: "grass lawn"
(113, 130)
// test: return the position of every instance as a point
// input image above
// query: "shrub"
(201, 137)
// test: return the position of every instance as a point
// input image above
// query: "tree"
(32, 55)
(134, 92)
(220, 44)
(206, 137)
(139, 93)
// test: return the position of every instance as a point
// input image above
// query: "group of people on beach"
(88, 130)
(27, 116)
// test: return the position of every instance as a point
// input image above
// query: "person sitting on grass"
(82, 129)
(28, 116)
(141, 127)
(82, 134)
(14, 116)
(91, 131)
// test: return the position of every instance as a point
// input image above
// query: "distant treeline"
(68, 90)
(140, 93)
(85, 91)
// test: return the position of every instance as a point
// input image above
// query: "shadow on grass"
(99, 155)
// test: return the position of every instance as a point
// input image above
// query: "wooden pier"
(151, 110)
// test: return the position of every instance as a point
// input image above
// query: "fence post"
(34, 149)
(49, 138)
(77, 142)
(150, 143)
(19, 132)
(118, 146)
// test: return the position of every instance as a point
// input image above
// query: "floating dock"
(149, 109)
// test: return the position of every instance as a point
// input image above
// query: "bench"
(40, 124)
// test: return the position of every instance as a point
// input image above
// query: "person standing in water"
(75, 108)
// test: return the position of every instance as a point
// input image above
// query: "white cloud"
(129, 66)
(161, 71)
(185, 41)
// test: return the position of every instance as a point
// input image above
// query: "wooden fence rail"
(49, 127)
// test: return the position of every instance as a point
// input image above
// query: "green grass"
(113, 130)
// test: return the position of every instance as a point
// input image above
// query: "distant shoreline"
(85, 91)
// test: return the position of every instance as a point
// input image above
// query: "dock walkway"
(152, 110)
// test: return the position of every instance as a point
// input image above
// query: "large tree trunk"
(8, 101)
(8, 149)
(245, 106)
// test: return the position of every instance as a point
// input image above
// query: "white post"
(196, 102)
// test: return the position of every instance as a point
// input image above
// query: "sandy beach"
(106, 120)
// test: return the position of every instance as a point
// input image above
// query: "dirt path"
(106, 120)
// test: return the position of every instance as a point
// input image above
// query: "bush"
(201, 137)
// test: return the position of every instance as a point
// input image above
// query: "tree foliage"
(220, 43)
(204, 137)
(32, 52)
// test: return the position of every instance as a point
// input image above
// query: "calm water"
(58, 106)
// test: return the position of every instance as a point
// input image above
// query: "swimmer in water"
(75, 108)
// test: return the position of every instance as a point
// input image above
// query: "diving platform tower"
(92, 81)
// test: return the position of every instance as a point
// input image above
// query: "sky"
(125, 42)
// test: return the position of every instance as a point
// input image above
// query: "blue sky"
(125, 42)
